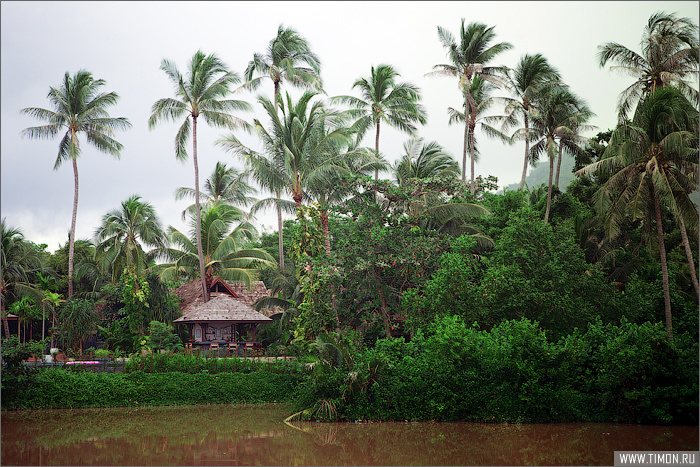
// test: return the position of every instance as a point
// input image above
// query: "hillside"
(540, 174)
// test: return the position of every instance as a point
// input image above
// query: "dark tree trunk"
(5, 322)
(664, 266)
(689, 255)
(561, 154)
(549, 191)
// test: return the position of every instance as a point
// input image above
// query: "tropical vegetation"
(419, 296)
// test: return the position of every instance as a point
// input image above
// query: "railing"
(94, 366)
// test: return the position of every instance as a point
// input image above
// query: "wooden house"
(228, 316)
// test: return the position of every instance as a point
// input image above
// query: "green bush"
(57, 388)
(514, 373)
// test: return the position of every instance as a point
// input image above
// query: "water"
(256, 435)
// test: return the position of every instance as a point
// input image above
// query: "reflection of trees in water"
(249, 435)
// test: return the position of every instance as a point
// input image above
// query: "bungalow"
(228, 316)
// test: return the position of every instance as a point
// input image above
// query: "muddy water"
(256, 435)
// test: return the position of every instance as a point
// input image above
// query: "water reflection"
(256, 435)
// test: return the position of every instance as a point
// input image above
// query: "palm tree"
(480, 91)
(78, 107)
(123, 233)
(200, 92)
(18, 262)
(225, 184)
(469, 58)
(289, 57)
(307, 145)
(648, 160)
(304, 142)
(562, 115)
(328, 188)
(226, 250)
(669, 56)
(423, 159)
(384, 99)
(528, 81)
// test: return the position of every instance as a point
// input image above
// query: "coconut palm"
(384, 100)
(201, 92)
(227, 252)
(18, 262)
(301, 143)
(527, 81)
(328, 188)
(480, 91)
(669, 56)
(308, 145)
(469, 58)
(123, 234)
(423, 159)
(556, 126)
(78, 107)
(651, 160)
(226, 184)
(289, 57)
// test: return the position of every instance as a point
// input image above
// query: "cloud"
(124, 43)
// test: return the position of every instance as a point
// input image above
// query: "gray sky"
(124, 43)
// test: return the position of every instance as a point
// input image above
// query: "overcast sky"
(124, 43)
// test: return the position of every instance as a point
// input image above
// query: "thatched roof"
(220, 307)
(237, 307)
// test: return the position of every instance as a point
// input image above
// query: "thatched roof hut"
(227, 314)
(221, 307)
(192, 290)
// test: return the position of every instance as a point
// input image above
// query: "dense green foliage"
(57, 388)
(420, 297)
(515, 373)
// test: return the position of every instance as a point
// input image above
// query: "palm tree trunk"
(689, 255)
(664, 266)
(561, 153)
(549, 191)
(527, 150)
(376, 153)
(71, 240)
(198, 227)
(464, 150)
(280, 239)
(472, 126)
(5, 322)
(6, 325)
(376, 150)
(43, 320)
